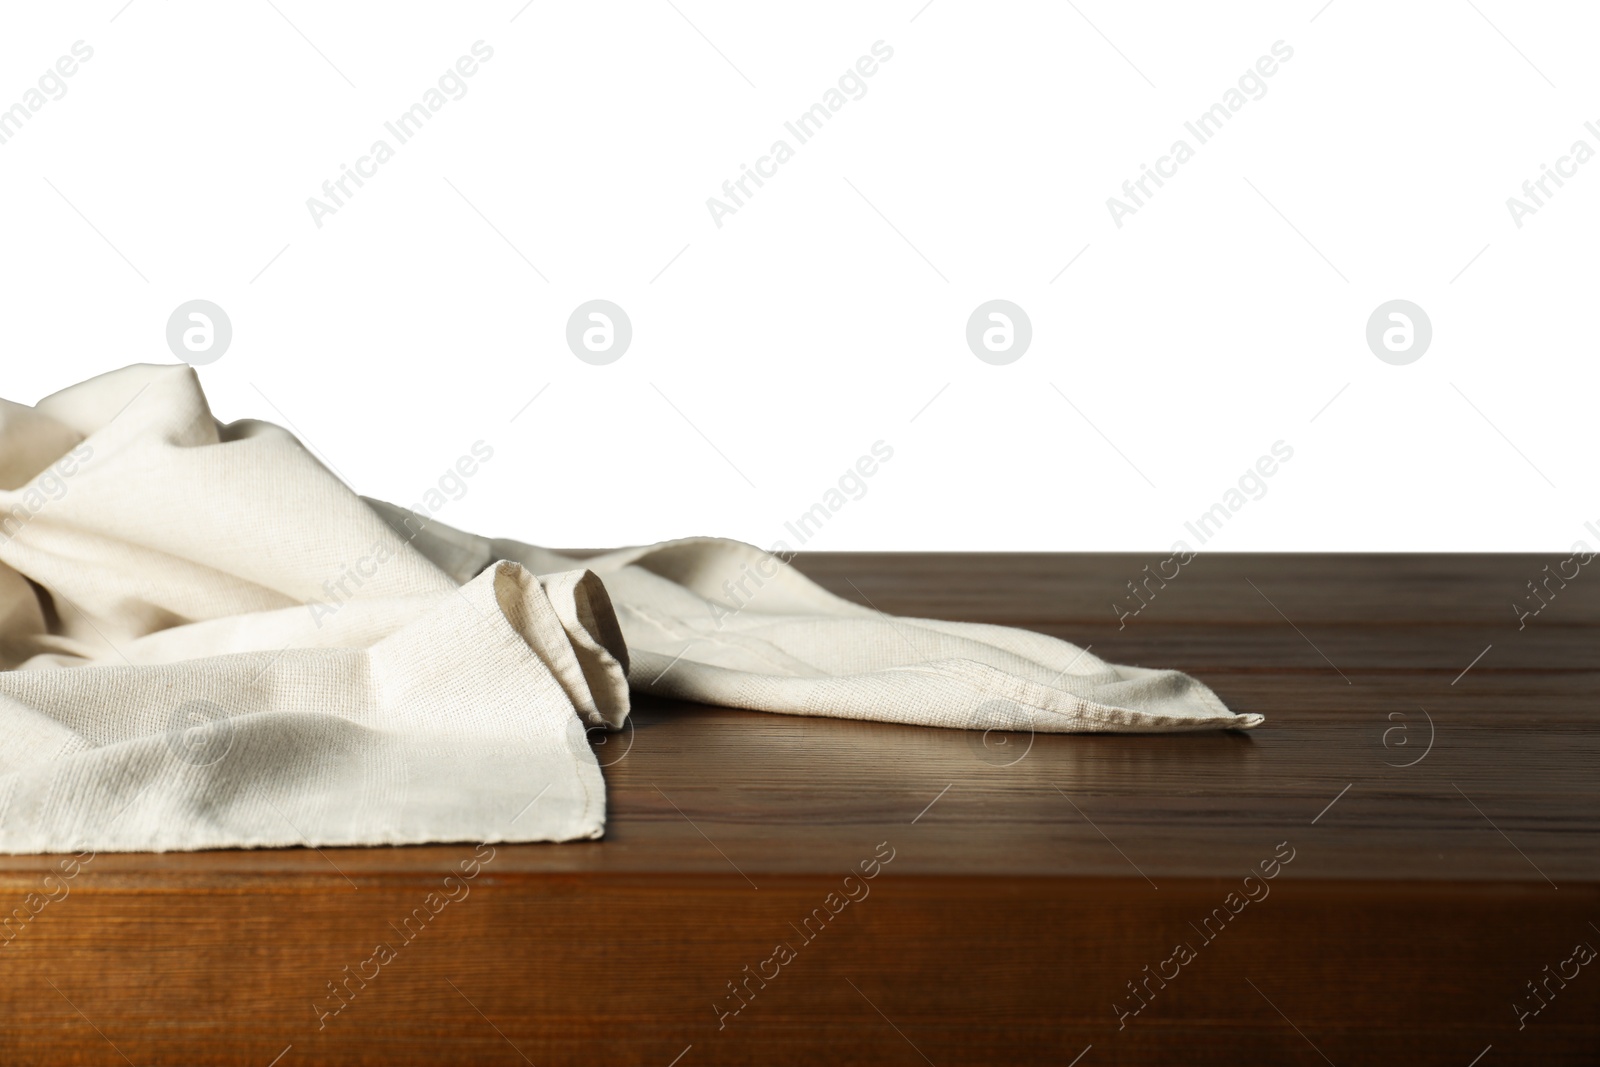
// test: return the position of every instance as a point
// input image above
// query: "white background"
(823, 316)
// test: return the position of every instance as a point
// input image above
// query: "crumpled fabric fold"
(207, 640)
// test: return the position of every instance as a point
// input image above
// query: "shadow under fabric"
(208, 641)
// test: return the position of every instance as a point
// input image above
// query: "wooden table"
(1427, 769)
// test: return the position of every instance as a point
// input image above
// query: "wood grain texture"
(1429, 883)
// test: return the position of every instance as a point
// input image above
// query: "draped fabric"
(207, 640)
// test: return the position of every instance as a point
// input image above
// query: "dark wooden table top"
(1426, 740)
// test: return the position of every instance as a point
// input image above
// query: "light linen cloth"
(207, 641)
